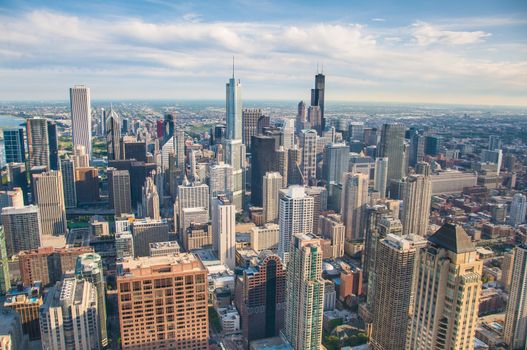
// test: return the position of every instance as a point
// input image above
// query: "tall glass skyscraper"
(14, 145)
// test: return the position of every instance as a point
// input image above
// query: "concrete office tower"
(314, 117)
(380, 179)
(281, 159)
(23, 228)
(294, 172)
(113, 135)
(265, 237)
(308, 165)
(67, 168)
(81, 117)
(182, 275)
(15, 151)
(518, 210)
(252, 122)
(48, 265)
(272, 184)
(191, 196)
(37, 142)
(330, 226)
(494, 142)
(49, 197)
(89, 268)
(119, 191)
(148, 231)
(356, 131)
(69, 317)
(301, 122)
(87, 185)
(320, 203)
(224, 231)
(317, 97)
(14, 198)
(395, 270)
(193, 215)
(260, 297)
(353, 202)
(5, 277)
(263, 161)
(295, 216)
(392, 147)
(304, 293)
(150, 200)
(515, 332)
(336, 161)
(80, 157)
(220, 180)
(417, 199)
(448, 286)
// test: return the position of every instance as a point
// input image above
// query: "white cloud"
(426, 34)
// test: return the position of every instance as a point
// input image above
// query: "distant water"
(10, 121)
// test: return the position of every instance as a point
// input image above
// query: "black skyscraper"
(53, 146)
(169, 126)
(317, 96)
(263, 161)
(15, 151)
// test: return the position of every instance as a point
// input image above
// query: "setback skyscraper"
(80, 105)
(317, 98)
(113, 135)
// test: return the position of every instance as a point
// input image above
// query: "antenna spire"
(232, 67)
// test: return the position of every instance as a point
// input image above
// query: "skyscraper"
(518, 210)
(308, 165)
(447, 292)
(380, 178)
(5, 277)
(515, 332)
(220, 179)
(317, 97)
(89, 268)
(330, 226)
(417, 199)
(336, 159)
(69, 317)
(353, 204)
(191, 196)
(234, 152)
(320, 203)
(81, 116)
(356, 131)
(233, 130)
(295, 216)
(80, 157)
(304, 293)
(49, 197)
(223, 231)
(181, 294)
(146, 231)
(67, 168)
(87, 185)
(253, 122)
(272, 183)
(294, 172)
(392, 146)
(263, 161)
(37, 142)
(113, 135)
(169, 126)
(53, 146)
(301, 118)
(314, 117)
(15, 151)
(119, 191)
(395, 267)
(150, 200)
(494, 142)
(22, 227)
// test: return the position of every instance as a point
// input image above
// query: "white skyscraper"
(80, 105)
(353, 204)
(417, 198)
(272, 183)
(220, 179)
(224, 230)
(381, 176)
(308, 166)
(518, 209)
(295, 216)
(515, 332)
(49, 197)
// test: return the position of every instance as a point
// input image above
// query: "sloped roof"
(453, 238)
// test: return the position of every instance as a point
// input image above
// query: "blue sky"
(464, 52)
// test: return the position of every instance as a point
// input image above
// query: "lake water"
(9, 121)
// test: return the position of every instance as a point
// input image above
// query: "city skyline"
(158, 50)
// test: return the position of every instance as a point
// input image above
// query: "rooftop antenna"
(232, 67)
(322, 68)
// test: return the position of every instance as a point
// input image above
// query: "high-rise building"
(53, 143)
(304, 293)
(148, 231)
(392, 146)
(417, 148)
(253, 122)
(11, 335)
(317, 97)
(23, 228)
(14, 198)
(314, 116)
(308, 165)
(26, 302)
(301, 118)
(191, 196)
(518, 209)
(119, 191)
(395, 269)
(272, 183)
(5, 277)
(49, 197)
(150, 202)
(220, 180)
(295, 216)
(356, 131)
(417, 199)
(447, 291)
(320, 203)
(260, 297)
(169, 126)
(81, 117)
(67, 168)
(181, 289)
(198, 236)
(113, 135)
(87, 185)
(69, 317)
(330, 226)
(294, 171)
(223, 231)
(15, 151)
(380, 179)
(494, 156)
(80, 158)
(38, 142)
(263, 161)
(281, 159)
(234, 152)
(494, 142)
(89, 268)
(233, 129)
(124, 245)
(336, 159)
(353, 204)
(48, 265)
(515, 332)
(17, 177)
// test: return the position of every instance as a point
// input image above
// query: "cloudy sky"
(450, 51)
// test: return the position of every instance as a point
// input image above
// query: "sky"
(418, 51)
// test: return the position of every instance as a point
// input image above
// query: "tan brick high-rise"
(163, 303)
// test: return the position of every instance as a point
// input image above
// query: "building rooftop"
(453, 238)
(161, 245)
(131, 267)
